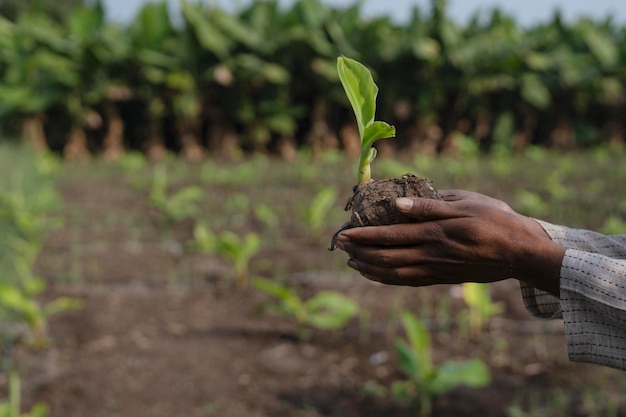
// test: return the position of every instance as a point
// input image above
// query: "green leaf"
(376, 131)
(85, 23)
(289, 302)
(152, 26)
(330, 310)
(236, 29)
(361, 90)
(408, 360)
(250, 246)
(535, 92)
(601, 44)
(208, 36)
(61, 304)
(418, 337)
(272, 288)
(319, 208)
(203, 238)
(472, 373)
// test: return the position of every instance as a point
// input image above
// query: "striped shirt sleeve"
(593, 295)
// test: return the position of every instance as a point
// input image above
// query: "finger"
(427, 208)
(392, 235)
(410, 276)
(398, 257)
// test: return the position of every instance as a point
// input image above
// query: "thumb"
(425, 208)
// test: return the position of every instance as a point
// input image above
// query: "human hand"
(467, 237)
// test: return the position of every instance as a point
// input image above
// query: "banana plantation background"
(263, 78)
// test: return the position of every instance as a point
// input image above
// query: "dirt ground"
(163, 334)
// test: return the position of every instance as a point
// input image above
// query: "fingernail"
(404, 203)
(341, 246)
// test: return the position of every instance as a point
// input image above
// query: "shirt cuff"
(542, 304)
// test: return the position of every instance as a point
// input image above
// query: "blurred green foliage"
(263, 78)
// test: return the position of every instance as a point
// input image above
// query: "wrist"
(541, 259)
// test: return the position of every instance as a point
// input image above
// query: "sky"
(526, 12)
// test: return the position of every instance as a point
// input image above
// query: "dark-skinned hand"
(468, 237)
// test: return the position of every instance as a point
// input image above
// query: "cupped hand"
(468, 237)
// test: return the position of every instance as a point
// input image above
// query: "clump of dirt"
(374, 203)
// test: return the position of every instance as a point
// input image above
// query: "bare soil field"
(164, 331)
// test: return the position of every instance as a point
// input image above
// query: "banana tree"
(62, 70)
(99, 54)
(24, 96)
(243, 88)
(313, 38)
(151, 59)
(103, 51)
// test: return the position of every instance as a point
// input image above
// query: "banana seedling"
(317, 212)
(177, 206)
(231, 247)
(426, 380)
(480, 306)
(326, 310)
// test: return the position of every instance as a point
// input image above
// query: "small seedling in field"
(20, 305)
(373, 201)
(12, 408)
(480, 306)
(426, 379)
(326, 310)
(317, 212)
(231, 247)
(177, 206)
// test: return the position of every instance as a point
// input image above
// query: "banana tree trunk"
(34, 134)
(113, 144)
(321, 137)
(76, 147)
(192, 149)
(154, 148)
(563, 136)
(350, 139)
(287, 148)
(225, 141)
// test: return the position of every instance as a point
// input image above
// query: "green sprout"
(231, 247)
(481, 307)
(175, 206)
(12, 406)
(326, 310)
(318, 209)
(361, 90)
(427, 380)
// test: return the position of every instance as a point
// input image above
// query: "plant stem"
(365, 172)
(14, 394)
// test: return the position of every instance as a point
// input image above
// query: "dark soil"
(374, 202)
(165, 332)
